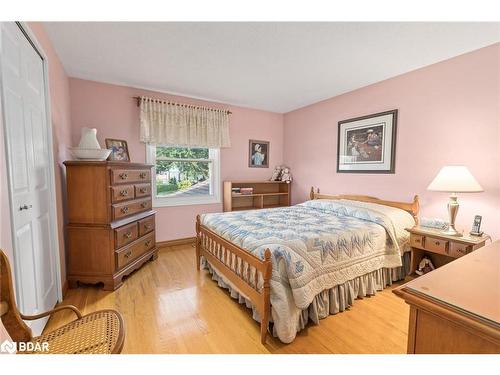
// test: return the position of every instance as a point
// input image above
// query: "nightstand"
(440, 248)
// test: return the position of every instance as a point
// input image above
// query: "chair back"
(11, 319)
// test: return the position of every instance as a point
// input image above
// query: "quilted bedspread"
(315, 246)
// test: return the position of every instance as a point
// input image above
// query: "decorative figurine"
(276, 173)
(424, 266)
(286, 175)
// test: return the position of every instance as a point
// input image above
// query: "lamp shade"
(456, 179)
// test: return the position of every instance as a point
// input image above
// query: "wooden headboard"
(412, 207)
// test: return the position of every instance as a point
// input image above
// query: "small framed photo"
(367, 144)
(119, 149)
(258, 154)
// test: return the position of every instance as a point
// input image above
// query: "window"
(184, 175)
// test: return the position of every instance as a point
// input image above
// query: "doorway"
(30, 171)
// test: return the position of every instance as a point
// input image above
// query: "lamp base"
(452, 211)
(452, 232)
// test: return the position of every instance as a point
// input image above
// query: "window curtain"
(183, 125)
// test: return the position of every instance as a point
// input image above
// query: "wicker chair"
(100, 332)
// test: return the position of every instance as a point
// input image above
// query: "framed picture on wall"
(119, 149)
(258, 154)
(367, 144)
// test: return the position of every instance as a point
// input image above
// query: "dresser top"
(470, 284)
(466, 238)
(255, 182)
(122, 164)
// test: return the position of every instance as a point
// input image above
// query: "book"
(246, 191)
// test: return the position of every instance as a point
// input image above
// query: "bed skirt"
(330, 301)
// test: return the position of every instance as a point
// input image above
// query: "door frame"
(54, 250)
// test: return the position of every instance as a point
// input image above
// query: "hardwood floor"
(169, 307)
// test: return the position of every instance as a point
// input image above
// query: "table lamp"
(454, 179)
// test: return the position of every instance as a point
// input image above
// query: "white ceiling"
(272, 66)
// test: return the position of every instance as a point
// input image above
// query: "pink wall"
(448, 114)
(111, 109)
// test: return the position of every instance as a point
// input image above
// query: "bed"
(292, 265)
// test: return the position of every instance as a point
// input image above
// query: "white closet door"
(28, 161)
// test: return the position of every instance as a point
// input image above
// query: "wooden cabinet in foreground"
(111, 226)
(456, 308)
(264, 194)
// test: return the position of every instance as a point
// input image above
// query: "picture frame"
(258, 154)
(119, 150)
(367, 144)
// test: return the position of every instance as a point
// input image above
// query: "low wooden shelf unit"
(266, 194)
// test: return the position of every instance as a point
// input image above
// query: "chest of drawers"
(111, 225)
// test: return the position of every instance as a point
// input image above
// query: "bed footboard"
(242, 269)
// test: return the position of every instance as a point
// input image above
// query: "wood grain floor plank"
(169, 307)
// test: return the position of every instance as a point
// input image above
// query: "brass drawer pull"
(416, 239)
(143, 190)
(124, 193)
(437, 243)
(147, 243)
(124, 210)
(147, 226)
(143, 175)
(128, 254)
(128, 235)
(123, 176)
(144, 204)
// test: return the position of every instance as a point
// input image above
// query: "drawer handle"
(123, 176)
(437, 243)
(143, 175)
(128, 235)
(124, 193)
(417, 240)
(144, 204)
(124, 210)
(147, 243)
(147, 226)
(143, 190)
(128, 254)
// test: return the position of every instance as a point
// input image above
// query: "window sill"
(193, 201)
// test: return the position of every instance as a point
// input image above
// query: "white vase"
(89, 139)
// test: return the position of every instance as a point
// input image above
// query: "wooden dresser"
(456, 308)
(111, 229)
